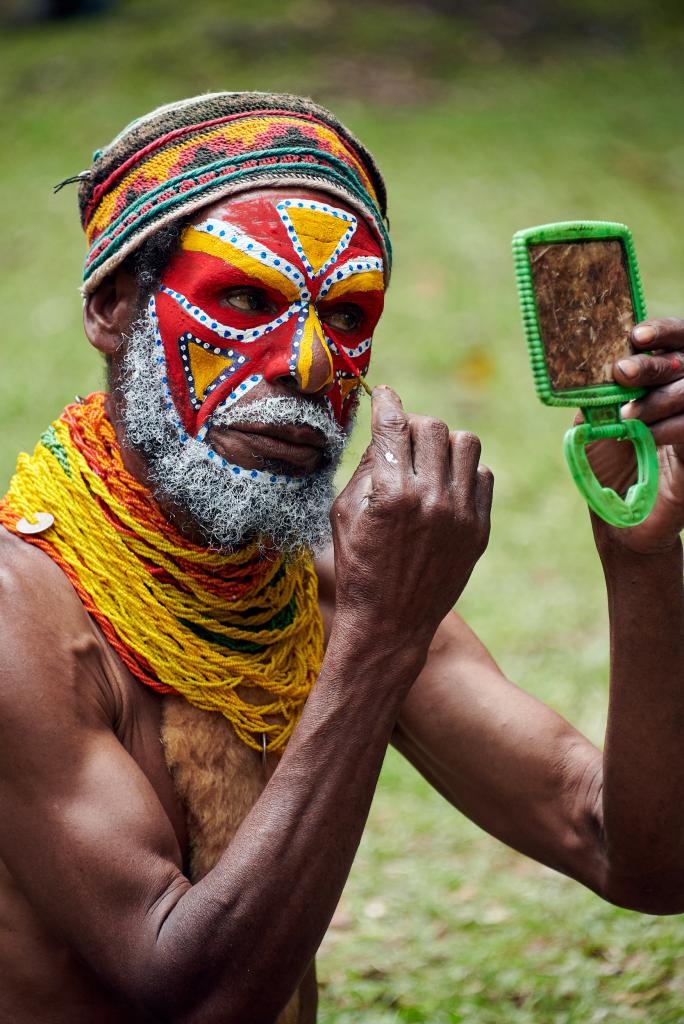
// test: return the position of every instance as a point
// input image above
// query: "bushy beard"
(226, 511)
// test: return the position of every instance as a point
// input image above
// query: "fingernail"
(628, 367)
(644, 335)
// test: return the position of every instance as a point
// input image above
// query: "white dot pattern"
(184, 343)
(353, 353)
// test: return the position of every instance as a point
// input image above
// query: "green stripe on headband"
(343, 178)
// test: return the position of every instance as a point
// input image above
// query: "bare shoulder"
(48, 644)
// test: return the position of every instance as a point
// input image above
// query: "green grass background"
(479, 134)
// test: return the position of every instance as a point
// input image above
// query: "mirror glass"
(584, 304)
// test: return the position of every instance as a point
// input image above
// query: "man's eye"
(343, 318)
(249, 300)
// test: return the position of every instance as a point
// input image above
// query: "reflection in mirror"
(585, 310)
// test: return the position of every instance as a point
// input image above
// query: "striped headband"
(185, 155)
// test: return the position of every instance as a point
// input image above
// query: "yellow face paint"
(317, 233)
(293, 258)
(312, 335)
(367, 281)
(199, 241)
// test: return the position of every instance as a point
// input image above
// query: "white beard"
(226, 511)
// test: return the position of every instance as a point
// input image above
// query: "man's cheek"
(204, 371)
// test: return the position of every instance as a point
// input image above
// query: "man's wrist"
(616, 556)
(621, 545)
(357, 646)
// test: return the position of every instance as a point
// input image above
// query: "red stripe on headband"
(106, 185)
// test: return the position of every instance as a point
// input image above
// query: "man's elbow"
(168, 999)
(648, 892)
(624, 882)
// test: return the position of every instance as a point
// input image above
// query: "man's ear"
(110, 310)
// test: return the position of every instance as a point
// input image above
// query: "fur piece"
(218, 779)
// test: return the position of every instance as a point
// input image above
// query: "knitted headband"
(185, 155)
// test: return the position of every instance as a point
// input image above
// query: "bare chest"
(208, 780)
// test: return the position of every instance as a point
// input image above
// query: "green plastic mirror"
(580, 296)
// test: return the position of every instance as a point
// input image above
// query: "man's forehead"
(310, 222)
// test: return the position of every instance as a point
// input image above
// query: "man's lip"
(298, 449)
(287, 433)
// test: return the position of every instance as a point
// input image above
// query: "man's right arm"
(90, 844)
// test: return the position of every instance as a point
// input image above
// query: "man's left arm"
(612, 821)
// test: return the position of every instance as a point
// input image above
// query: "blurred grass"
(438, 923)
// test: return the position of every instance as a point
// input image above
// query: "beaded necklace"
(225, 631)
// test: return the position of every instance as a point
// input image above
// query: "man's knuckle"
(483, 535)
(393, 422)
(433, 425)
(436, 505)
(467, 441)
(394, 499)
(660, 370)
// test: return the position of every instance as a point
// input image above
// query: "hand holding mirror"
(581, 295)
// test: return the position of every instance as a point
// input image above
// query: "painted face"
(265, 288)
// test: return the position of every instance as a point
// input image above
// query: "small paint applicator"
(361, 380)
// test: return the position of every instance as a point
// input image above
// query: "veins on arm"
(507, 761)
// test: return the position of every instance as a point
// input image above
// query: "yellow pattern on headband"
(235, 138)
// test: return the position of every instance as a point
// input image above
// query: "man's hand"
(409, 527)
(659, 366)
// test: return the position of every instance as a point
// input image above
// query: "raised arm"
(644, 753)
(612, 821)
(90, 844)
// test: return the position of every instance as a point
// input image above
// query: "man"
(157, 584)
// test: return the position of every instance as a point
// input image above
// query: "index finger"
(390, 430)
(666, 332)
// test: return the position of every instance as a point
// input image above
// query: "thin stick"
(356, 373)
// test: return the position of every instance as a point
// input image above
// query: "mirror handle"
(602, 423)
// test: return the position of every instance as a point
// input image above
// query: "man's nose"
(313, 369)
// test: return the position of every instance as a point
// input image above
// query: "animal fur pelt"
(218, 780)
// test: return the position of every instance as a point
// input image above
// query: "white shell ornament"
(43, 522)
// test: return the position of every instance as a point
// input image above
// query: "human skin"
(110, 926)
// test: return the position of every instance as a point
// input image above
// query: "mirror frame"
(571, 231)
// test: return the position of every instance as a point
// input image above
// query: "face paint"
(264, 289)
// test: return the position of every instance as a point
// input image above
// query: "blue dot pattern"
(257, 250)
(230, 333)
(184, 345)
(331, 211)
(353, 353)
(348, 269)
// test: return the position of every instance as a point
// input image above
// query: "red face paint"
(267, 288)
